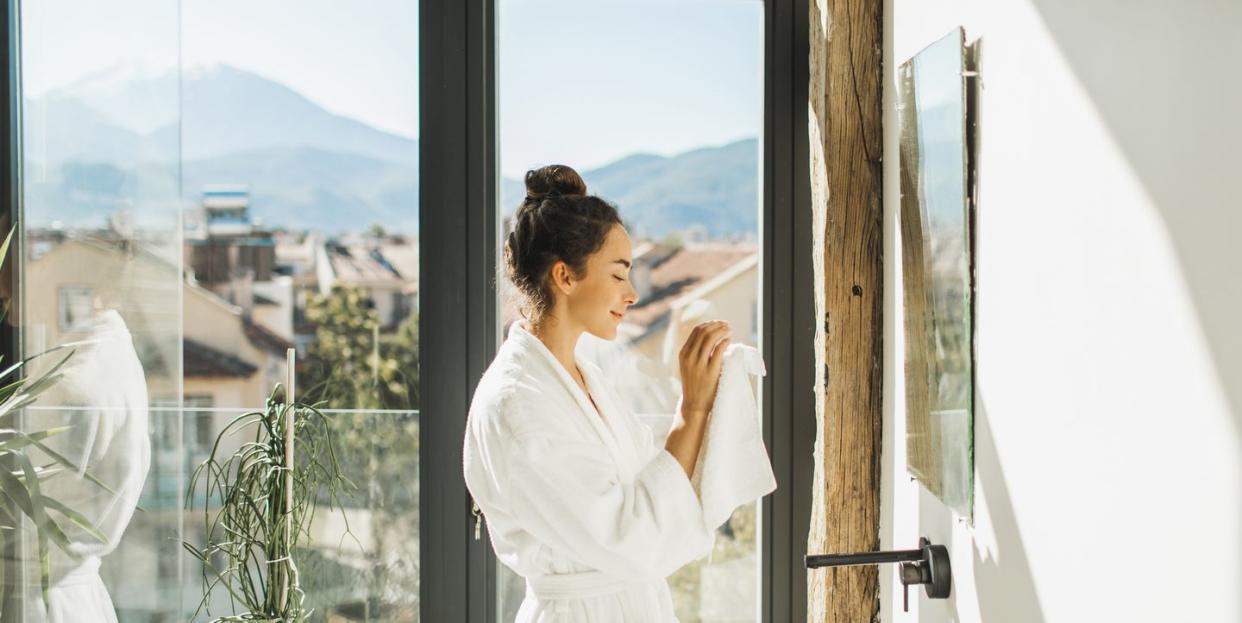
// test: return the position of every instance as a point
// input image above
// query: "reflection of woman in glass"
(102, 400)
(579, 498)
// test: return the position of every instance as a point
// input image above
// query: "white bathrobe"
(583, 504)
(102, 398)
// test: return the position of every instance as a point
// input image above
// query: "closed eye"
(618, 278)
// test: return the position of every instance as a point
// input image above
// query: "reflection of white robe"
(103, 398)
(584, 505)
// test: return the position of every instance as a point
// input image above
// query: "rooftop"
(677, 271)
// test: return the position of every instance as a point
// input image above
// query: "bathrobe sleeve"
(102, 398)
(567, 493)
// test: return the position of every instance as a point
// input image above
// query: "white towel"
(733, 467)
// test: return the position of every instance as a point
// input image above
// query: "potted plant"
(260, 500)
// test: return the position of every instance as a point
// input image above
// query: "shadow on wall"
(1003, 581)
(1004, 584)
(936, 522)
(1163, 77)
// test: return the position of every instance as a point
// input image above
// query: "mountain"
(110, 142)
(716, 187)
(226, 110)
(67, 129)
(133, 95)
(331, 191)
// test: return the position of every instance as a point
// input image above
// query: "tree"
(354, 365)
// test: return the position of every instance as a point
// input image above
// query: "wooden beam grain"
(845, 136)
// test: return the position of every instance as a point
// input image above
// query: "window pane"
(300, 181)
(359, 564)
(215, 181)
(100, 271)
(659, 106)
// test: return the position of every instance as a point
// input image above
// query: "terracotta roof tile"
(201, 360)
(264, 338)
(675, 272)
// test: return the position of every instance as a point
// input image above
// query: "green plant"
(264, 508)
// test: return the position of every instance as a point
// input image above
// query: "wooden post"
(846, 147)
(290, 357)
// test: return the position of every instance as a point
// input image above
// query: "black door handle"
(928, 565)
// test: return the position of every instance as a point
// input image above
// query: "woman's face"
(597, 302)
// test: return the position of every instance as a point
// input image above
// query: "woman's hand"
(700, 360)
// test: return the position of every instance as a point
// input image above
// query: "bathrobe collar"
(602, 420)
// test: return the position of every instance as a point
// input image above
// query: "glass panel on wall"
(354, 562)
(206, 185)
(300, 183)
(935, 235)
(659, 106)
(98, 281)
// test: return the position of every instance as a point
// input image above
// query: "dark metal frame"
(788, 311)
(457, 295)
(10, 135)
(11, 211)
(458, 328)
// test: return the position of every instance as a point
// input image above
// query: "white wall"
(1108, 424)
(279, 317)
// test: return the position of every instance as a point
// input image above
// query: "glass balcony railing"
(358, 562)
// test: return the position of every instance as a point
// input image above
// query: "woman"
(578, 497)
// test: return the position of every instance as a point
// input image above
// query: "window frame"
(459, 325)
(11, 211)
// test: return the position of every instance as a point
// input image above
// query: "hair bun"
(554, 180)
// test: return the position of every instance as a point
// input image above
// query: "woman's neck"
(561, 339)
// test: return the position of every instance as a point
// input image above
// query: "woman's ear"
(562, 277)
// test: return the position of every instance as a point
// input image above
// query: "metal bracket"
(928, 565)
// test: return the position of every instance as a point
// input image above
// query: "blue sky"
(586, 82)
(582, 82)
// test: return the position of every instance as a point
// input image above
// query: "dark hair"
(557, 220)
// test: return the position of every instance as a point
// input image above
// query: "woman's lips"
(617, 316)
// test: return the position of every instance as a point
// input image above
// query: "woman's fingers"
(721, 347)
(695, 342)
(703, 342)
(717, 356)
(711, 339)
(701, 358)
(692, 340)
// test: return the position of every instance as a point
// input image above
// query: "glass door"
(659, 106)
